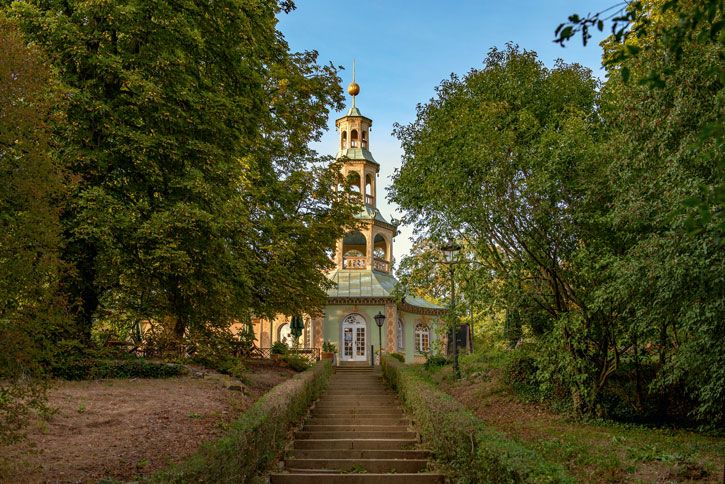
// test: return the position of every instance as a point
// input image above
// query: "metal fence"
(310, 354)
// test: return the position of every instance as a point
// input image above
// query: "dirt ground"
(122, 429)
(594, 452)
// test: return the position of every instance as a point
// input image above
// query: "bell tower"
(371, 246)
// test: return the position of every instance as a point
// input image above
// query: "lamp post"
(380, 320)
(450, 253)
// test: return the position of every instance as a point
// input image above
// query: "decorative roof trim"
(409, 308)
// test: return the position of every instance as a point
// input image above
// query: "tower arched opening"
(343, 140)
(353, 138)
(354, 181)
(354, 248)
(369, 196)
(364, 141)
(381, 253)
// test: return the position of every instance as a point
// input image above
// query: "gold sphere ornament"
(353, 89)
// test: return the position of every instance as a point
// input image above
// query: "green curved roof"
(356, 154)
(370, 283)
(370, 213)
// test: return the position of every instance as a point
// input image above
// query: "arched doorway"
(285, 334)
(354, 338)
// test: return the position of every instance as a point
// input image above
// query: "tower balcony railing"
(381, 265)
(353, 263)
(369, 200)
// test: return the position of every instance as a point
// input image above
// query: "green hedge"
(90, 369)
(460, 441)
(253, 441)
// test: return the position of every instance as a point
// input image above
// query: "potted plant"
(279, 349)
(328, 350)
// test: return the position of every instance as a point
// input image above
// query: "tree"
(498, 158)
(667, 276)
(31, 182)
(668, 28)
(187, 129)
(664, 142)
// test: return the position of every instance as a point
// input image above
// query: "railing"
(353, 262)
(381, 265)
(310, 354)
(369, 200)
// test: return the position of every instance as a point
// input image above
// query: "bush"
(90, 369)
(469, 452)
(435, 361)
(254, 440)
(296, 362)
(398, 356)
(279, 348)
(328, 347)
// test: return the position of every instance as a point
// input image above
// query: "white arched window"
(422, 338)
(401, 335)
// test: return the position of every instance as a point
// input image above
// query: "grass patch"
(257, 437)
(469, 451)
(595, 450)
(94, 369)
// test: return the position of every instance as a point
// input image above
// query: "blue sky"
(403, 49)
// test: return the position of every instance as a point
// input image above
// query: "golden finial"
(354, 88)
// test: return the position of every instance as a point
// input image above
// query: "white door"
(354, 340)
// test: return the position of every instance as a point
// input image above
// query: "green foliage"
(296, 362)
(279, 348)
(578, 219)
(435, 361)
(398, 356)
(32, 308)
(91, 369)
(460, 441)
(253, 441)
(329, 347)
(187, 128)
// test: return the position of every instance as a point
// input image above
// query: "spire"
(353, 89)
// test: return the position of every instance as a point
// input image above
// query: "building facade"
(363, 278)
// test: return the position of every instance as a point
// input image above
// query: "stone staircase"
(356, 433)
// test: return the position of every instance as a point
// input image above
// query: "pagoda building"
(364, 283)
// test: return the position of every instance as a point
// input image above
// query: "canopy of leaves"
(31, 307)
(187, 130)
(577, 205)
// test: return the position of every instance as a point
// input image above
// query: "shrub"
(90, 369)
(398, 356)
(279, 348)
(468, 450)
(296, 362)
(233, 367)
(328, 347)
(435, 361)
(255, 439)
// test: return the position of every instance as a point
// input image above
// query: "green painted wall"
(335, 314)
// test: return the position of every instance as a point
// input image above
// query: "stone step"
(358, 407)
(358, 419)
(358, 393)
(358, 465)
(354, 428)
(379, 402)
(354, 413)
(322, 478)
(356, 444)
(302, 435)
(357, 454)
(350, 383)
